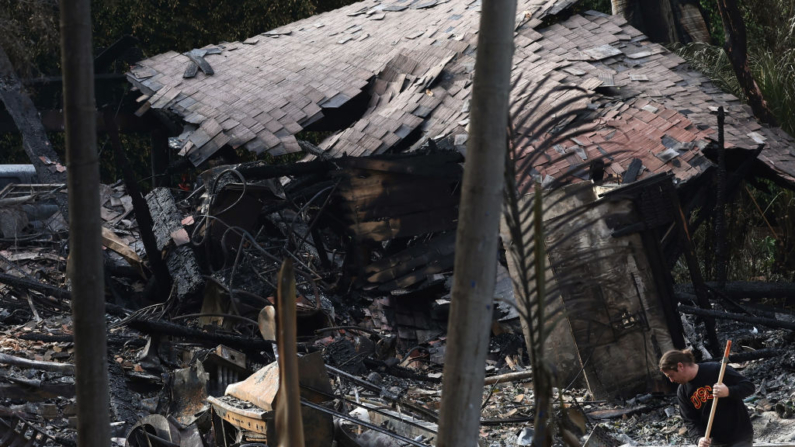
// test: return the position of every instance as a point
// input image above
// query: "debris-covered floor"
(377, 330)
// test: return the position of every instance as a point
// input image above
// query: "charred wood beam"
(63, 368)
(112, 339)
(30, 391)
(755, 355)
(720, 211)
(695, 270)
(163, 328)
(664, 282)
(735, 306)
(769, 322)
(52, 120)
(260, 170)
(34, 137)
(753, 290)
(142, 213)
(57, 81)
(24, 284)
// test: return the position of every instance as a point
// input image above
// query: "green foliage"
(29, 35)
(773, 70)
(770, 24)
(760, 235)
(181, 25)
(714, 22)
(762, 243)
(597, 5)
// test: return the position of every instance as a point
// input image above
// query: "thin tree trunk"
(736, 47)
(85, 271)
(478, 229)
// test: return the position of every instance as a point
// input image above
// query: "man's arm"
(690, 417)
(739, 386)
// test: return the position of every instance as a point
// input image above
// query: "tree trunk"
(665, 20)
(85, 266)
(736, 47)
(478, 229)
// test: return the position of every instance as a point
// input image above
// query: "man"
(697, 389)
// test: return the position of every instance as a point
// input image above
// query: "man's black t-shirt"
(732, 423)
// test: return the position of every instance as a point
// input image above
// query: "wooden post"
(475, 268)
(85, 246)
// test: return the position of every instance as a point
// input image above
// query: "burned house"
(394, 77)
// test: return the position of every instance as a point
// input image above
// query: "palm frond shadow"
(540, 219)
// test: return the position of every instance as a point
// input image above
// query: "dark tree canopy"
(30, 28)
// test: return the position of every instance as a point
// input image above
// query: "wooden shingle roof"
(415, 61)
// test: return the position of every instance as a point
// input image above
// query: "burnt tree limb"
(142, 213)
(736, 46)
(34, 137)
(769, 322)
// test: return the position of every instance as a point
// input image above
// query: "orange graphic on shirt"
(700, 396)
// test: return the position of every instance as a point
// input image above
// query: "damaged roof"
(414, 60)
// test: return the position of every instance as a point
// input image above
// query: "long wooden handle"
(720, 380)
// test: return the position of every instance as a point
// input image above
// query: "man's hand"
(704, 442)
(720, 390)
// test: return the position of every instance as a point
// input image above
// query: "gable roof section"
(416, 62)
